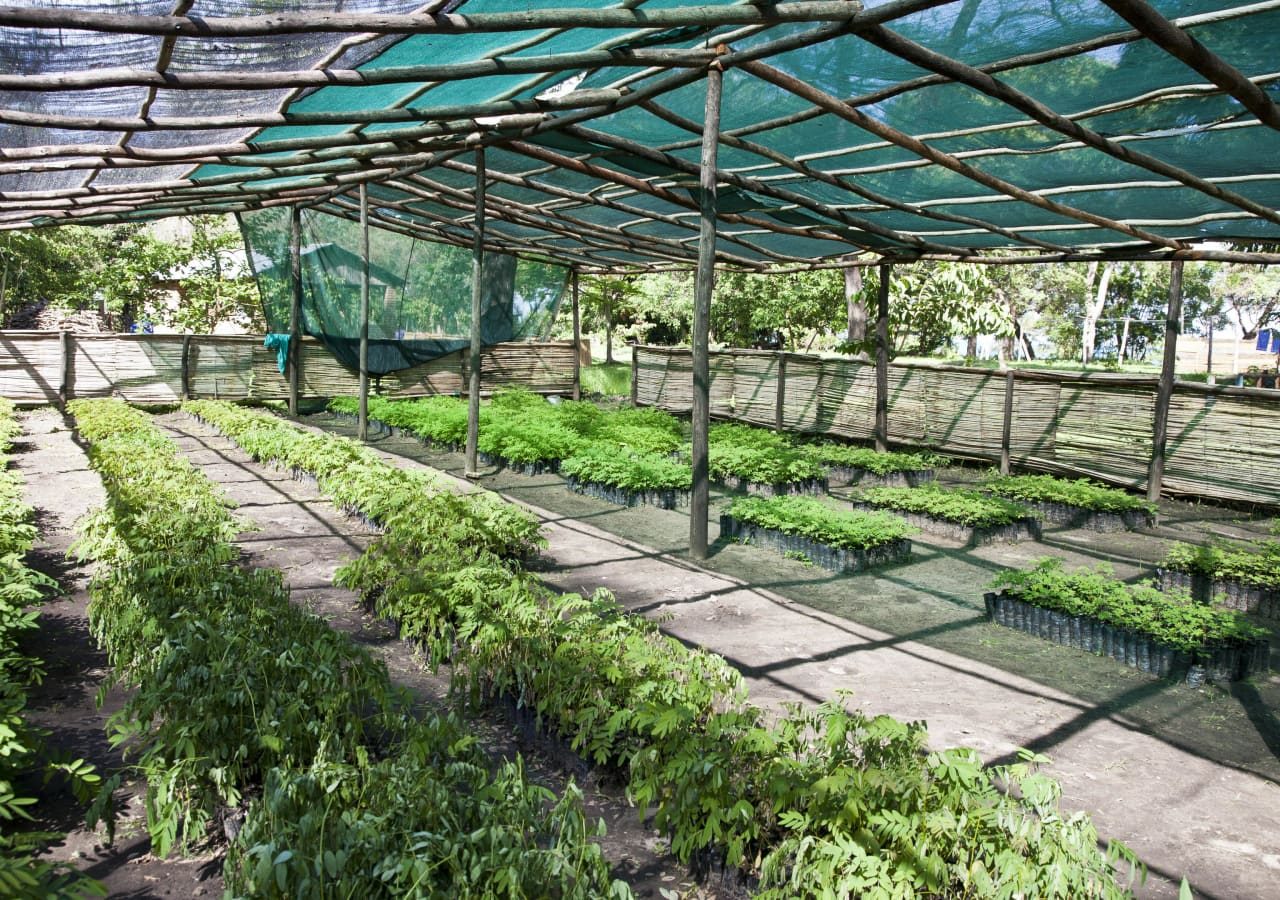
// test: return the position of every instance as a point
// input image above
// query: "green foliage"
(1081, 492)
(759, 456)
(23, 874)
(607, 379)
(817, 801)
(632, 471)
(795, 303)
(1170, 618)
(1256, 564)
(813, 519)
(963, 507)
(236, 687)
(830, 453)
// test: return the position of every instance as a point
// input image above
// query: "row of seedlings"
(970, 516)
(24, 758)
(1160, 633)
(1236, 576)
(248, 711)
(815, 802)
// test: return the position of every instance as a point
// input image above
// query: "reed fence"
(46, 367)
(1223, 442)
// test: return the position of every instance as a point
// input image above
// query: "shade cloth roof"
(908, 128)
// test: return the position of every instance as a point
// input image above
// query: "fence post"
(577, 339)
(66, 390)
(882, 359)
(293, 353)
(1006, 437)
(186, 367)
(635, 372)
(779, 412)
(1164, 392)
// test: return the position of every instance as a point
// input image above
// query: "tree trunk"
(971, 348)
(855, 308)
(1008, 343)
(1124, 340)
(1093, 308)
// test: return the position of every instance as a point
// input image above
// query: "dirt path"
(308, 539)
(62, 488)
(1215, 820)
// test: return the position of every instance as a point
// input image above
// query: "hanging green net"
(419, 291)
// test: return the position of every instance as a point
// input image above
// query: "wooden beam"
(1176, 42)
(838, 108)
(362, 424)
(779, 406)
(882, 359)
(411, 113)
(294, 352)
(1164, 392)
(577, 337)
(477, 296)
(922, 56)
(704, 285)
(536, 19)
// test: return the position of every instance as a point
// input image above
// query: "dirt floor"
(1185, 777)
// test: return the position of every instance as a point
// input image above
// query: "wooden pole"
(780, 409)
(577, 338)
(705, 283)
(1172, 325)
(66, 390)
(1006, 436)
(477, 289)
(362, 429)
(294, 354)
(882, 359)
(186, 367)
(635, 374)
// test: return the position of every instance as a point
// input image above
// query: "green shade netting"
(419, 291)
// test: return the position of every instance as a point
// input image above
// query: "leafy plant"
(603, 464)
(964, 507)
(1081, 492)
(1256, 563)
(813, 519)
(830, 453)
(1170, 618)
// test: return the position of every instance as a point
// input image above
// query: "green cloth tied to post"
(280, 344)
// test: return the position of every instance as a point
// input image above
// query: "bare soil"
(1186, 777)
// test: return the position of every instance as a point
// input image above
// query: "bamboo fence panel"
(1220, 442)
(30, 366)
(1223, 446)
(148, 368)
(801, 402)
(755, 387)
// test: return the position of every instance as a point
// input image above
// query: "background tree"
(216, 286)
(606, 300)
(801, 305)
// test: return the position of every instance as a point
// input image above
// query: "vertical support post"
(362, 427)
(635, 375)
(577, 338)
(882, 359)
(1172, 325)
(186, 367)
(703, 286)
(779, 410)
(66, 390)
(1006, 436)
(295, 306)
(473, 373)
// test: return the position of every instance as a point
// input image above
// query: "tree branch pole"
(577, 337)
(705, 283)
(882, 359)
(1164, 393)
(293, 354)
(477, 291)
(363, 426)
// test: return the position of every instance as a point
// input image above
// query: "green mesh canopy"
(419, 291)
(894, 129)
